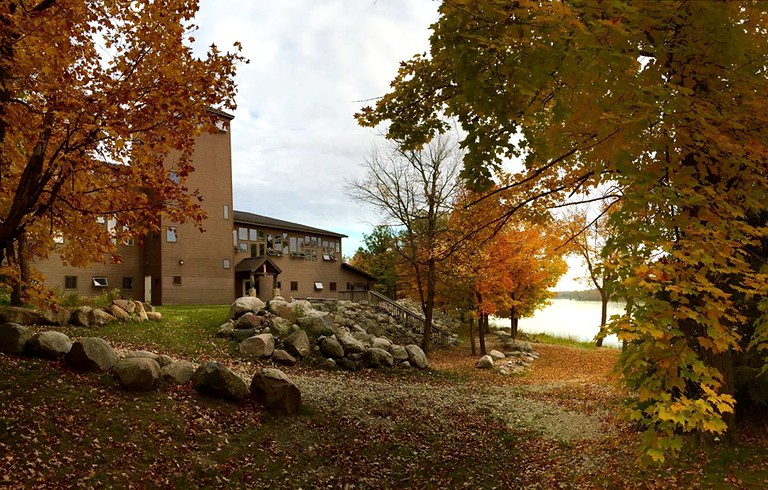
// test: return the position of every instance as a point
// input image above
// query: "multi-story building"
(238, 251)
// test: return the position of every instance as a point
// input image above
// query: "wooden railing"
(407, 317)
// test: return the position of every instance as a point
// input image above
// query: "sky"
(295, 142)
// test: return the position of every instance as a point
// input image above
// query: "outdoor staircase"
(407, 317)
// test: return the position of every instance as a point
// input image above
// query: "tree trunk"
(603, 317)
(481, 329)
(513, 323)
(472, 335)
(18, 292)
(429, 308)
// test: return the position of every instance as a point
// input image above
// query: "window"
(314, 255)
(325, 245)
(226, 211)
(70, 282)
(242, 233)
(294, 285)
(177, 280)
(100, 282)
(234, 238)
(174, 177)
(170, 234)
(338, 247)
(244, 247)
(129, 241)
(332, 286)
(294, 245)
(58, 238)
(270, 243)
(318, 286)
(227, 264)
(128, 283)
(326, 257)
(257, 250)
(253, 235)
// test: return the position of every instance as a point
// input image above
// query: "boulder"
(249, 320)
(81, 316)
(317, 325)
(399, 353)
(147, 307)
(13, 338)
(215, 379)
(364, 337)
(496, 355)
(100, 317)
(330, 347)
(124, 304)
(50, 345)
(280, 326)
(59, 317)
(262, 345)
(164, 360)
(244, 304)
(350, 344)
(142, 354)
(178, 372)
(375, 357)
(226, 330)
(19, 315)
(291, 311)
(119, 313)
(416, 356)
(381, 343)
(405, 365)
(141, 313)
(297, 344)
(91, 354)
(275, 390)
(485, 362)
(282, 357)
(243, 333)
(137, 373)
(154, 315)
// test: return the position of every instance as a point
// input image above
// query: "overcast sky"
(294, 136)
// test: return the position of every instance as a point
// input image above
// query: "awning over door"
(258, 265)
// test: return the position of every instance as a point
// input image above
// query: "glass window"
(314, 255)
(100, 282)
(243, 247)
(128, 283)
(338, 247)
(177, 280)
(70, 282)
(314, 241)
(270, 243)
(226, 211)
(253, 235)
(242, 233)
(227, 264)
(234, 238)
(170, 234)
(301, 244)
(332, 286)
(294, 244)
(294, 285)
(325, 245)
(278, 243)
(58, 237)
(319, 286)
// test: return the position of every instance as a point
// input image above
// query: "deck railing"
(407, 317)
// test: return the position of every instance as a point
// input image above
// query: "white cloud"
(294, 137)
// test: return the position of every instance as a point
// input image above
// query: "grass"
(571, 341)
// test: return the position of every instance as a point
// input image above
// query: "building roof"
(259, 220)
(258, 264)
(221, 113)
(352, 268)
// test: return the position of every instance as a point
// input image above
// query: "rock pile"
(517, 356)
(83, 316)
(345, 334)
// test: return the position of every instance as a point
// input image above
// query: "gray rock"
(281, 327)
(329, 363)
(297, 343)
(101, 317)
(330, 347)
(19, 315)
(282, 357)
(178, 372)
(120, 313)
(164, 360)
(154, 315)
(243, 333)
(378, 357)
(275, 390)
(249, 321)
(142, 354)
(81, 316)
(262, 345)
(226, 330)
(141, 313)
(147, 307)
(381, 343)
(416, 356)
(405, 365)
(125, 305)
(50, 345)
(399, 353)
(316, 325)
(364, 337)
(215, 379)
(350, 344)
(485, 362)
(245, 304)
(137, 373)
(13, 338)
(496, 355)
(59, 317)
(91, 354)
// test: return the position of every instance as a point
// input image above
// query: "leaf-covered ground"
(450, 427)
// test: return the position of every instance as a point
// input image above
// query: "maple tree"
(95, 96)
(666, 101)
(414, 190)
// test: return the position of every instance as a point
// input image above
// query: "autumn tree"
(414, 189)
(379, 258)
(666, 101)
(96, 97)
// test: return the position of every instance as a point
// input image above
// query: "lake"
(568, 318)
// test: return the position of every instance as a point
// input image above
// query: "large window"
(170, 234)
(253, 235)
(242, 233)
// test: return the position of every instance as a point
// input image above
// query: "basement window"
(100, 282)
(318, 286)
